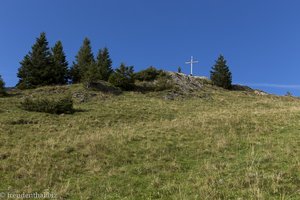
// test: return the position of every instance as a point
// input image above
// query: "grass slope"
(216, 145)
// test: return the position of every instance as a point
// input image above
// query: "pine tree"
(37, 67)
(123, 77)
(2, 87)
(84, 60)
(220, 74)
(104, 63)
(60, 65)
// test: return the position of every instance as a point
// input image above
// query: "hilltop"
(190, 141)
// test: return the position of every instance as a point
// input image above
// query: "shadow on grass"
(80, 110)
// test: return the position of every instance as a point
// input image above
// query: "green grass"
(232, 145)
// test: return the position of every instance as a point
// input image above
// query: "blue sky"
(259, 39)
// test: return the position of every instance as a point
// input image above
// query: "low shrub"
(163, 83)
(149, 74)
(47, 105)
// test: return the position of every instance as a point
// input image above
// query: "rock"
(187, 83)
(81, 97)
(260, 93)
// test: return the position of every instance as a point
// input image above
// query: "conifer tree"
(123, 77)
(37, 67)
(2, 87)
(91, 75)
(84, 60)
(104, 63)
(220, 74)
(179, 69)
(60, 65)
(42, 62)
(26, 79)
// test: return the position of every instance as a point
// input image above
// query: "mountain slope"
(213, 144)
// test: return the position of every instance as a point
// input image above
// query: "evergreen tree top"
(58, 53)
(221, 60)
(85, 55)
(40, 54)
(103, 57)
(41, 45)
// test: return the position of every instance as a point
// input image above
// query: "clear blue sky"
(260, 39)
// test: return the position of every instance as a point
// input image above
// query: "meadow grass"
(216, 144)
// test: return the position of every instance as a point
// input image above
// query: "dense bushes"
(149, 74)
(53, 106)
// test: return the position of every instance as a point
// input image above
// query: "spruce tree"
(220, 74)
(60, 65)
(26, 79)
(123, 77)
(41, 61)
(2, 87)
(84, 60)
(37, 67)
(104, 63)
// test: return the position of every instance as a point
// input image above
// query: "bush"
(46, 105)
(2, 87)
(149, 74)
(123, 77)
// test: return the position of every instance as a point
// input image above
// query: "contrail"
(270, 85)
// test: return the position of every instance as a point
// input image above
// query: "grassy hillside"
(214, 144)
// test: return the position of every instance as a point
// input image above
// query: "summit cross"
(192, 61)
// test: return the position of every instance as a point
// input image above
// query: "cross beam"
(191, 62)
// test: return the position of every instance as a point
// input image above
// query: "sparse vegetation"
(47, 105)
(163, 83)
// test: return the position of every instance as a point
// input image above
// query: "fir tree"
(220, 74)
(84, 60)
(60, 65)
(2, 87)
(37, 67)
(104, 63)
(123, 77)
